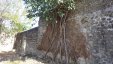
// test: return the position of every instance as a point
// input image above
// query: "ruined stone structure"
(96, 20)
(25, 42)
(90, 30)
(93, 19)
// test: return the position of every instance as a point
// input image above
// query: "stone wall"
(96, 20)
(26, 42)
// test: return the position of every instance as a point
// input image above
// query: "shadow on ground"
(14, 58)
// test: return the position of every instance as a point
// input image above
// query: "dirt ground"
(13, 58)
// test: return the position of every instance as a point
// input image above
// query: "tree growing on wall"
(55, 13)
(49, 9)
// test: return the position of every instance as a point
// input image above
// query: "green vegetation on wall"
(49, 10)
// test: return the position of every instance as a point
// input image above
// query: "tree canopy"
(49, 9)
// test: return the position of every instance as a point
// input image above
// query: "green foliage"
(17, 26)
(14, 12)
(49, 9)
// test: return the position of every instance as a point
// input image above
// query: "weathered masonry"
(89, 29)
(96, 20)
(91, 25)
(25, 42)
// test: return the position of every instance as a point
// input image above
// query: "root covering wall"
(89, 34)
